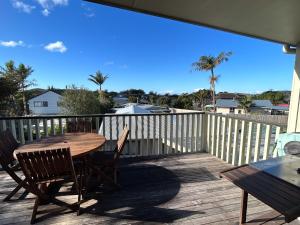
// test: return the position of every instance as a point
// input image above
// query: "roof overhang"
(273, 20)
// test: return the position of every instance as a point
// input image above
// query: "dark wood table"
(80, 144)
(275, 182)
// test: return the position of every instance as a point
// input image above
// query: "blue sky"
(65, 41)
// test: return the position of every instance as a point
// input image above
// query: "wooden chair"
(7, 146)
(105, 163)
(49, 166)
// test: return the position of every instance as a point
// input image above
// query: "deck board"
(182, 189)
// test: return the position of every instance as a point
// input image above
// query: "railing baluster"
(130, 135)
(235, 141)
(110, 132)
(192, 133)
(61, 129)
(159, 135)
(21, 132)
(148, 132)
(97, 122)
(143, 136)
(217, 150)
(187, 133)
(182, 150)
(13, 128)
(242, 143)
(45, 127)
(171, 133)
(166, 151)
(154, 146)
(208, 135)
(29, 130)
(117, 126)
(257, 142)
(52, 127)
(249, 143)
(229, 140)
(224, 127)
(213, 141)
(4, 125)
(176, 132)
(37, 129)
(267, 141)
(197, 138)
(275, 153)
(136, 136)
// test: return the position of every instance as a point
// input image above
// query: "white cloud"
(109, 63)
(22, 6)
(11, 43)
(167, 92)
(56, 47)
(124, 66)
(48, 5)
(45, 12)
(88, 12)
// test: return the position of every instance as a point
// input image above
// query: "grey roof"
(227, 103)
(132, 109)
(262, 103)
(280, 108)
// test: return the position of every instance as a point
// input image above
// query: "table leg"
(244, 203)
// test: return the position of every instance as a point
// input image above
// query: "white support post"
(294, 110)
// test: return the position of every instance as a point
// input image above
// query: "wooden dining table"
(80, 144)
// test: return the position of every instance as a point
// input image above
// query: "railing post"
(217, 151)
(257, 142)
(235, 141)
(208, 134)
(249, 143)
(229, 140)
(3, 125)
(213, 135)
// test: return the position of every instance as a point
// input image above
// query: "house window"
(40, 104)
(231, 110)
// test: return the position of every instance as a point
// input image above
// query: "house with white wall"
(45, 104)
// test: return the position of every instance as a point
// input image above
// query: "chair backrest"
(121, 143)
(7, 146)
(46, 165)
(79, 125)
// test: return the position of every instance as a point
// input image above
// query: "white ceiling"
(274, 20)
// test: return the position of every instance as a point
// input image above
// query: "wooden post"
(257, 142)
(244, 204)
(229, 140)
(224, 128)
(294, 110)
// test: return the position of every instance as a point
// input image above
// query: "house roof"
(226, 103)
(274, 20)
(43, 94)
(132, 109)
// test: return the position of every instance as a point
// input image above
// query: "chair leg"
(34, 212)
(11, 194)
(79, 190)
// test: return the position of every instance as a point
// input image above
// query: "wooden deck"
(181, 189)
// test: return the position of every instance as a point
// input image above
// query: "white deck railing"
(234, 140)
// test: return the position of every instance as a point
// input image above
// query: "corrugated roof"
(262, 103)
(226, 103)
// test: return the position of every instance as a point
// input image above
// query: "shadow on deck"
(173, 189)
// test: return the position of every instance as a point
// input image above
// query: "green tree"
(245, 103)
(209, 63)
(23, 72)
(79, 101)
(164, 100)
(132, 99)
(98, 79)
(184, 101)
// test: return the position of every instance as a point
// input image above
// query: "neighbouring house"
(226, 106)
(45, 104)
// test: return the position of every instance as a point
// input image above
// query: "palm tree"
(98, 79)
(201, 97)
(209, 63)
(245, 103)
(23, 72)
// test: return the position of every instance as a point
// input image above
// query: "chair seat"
(102, 157)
